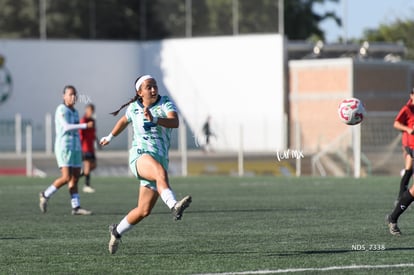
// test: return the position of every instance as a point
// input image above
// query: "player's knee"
(142, 212)
(146, 212)
(161, 174)
(65, 178)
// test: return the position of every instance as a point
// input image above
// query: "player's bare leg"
(53, 188)
(152, 170)
(146, 201)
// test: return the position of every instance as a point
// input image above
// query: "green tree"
(157, 19)
(215, 17)
(67, 19)
(396, 32)
(262, 18)
(102, 19)
(301, 22)
(19, 18)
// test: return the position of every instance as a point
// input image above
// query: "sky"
(358, 15)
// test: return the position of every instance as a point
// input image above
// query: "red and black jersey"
(87, 136)
(406, 117)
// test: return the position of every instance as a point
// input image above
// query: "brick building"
(316, 86)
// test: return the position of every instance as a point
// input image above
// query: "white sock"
(168, 198)
(75, 201)
(50, 191)
(123, 226)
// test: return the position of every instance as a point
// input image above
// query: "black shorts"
(88, 156)
(409, 151)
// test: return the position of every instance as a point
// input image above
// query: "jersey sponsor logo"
(152, 137)
(6, 83)
(142, 151)
(148, 125)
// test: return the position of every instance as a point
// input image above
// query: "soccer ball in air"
(351, 111)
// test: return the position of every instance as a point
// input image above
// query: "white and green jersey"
(149, 137)
(67, 129)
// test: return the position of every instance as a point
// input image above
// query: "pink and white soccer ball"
(351, 111)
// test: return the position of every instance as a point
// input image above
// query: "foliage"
(18, 18)
(157, 19)
(302, 23)
(400, 31)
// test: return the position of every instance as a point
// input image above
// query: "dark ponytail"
(137, 97)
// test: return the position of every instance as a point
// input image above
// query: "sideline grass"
(234, 224)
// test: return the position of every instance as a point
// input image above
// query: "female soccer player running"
(404, 122)
(68, 151)
(152, 117)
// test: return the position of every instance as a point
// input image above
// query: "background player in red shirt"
(401, 122)
(88, 139)
(405, 123)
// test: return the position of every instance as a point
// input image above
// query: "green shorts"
(68, 158)
(134, 155)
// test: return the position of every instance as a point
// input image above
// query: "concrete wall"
(238, 81)
(103, 73)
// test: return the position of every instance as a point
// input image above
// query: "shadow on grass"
(16, 238)
(252, 210)
(215, 211)
(275, 254)
(337, 251)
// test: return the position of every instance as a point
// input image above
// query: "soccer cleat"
(81, 211)
(88, 189)
(179, 207)
(114, 240)
(393, 227)
(43, 202)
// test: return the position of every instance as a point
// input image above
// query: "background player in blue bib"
(153, 117)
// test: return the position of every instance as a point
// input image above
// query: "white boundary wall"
(103, 72)
(237, 80)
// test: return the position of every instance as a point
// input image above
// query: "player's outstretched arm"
(70, 127)
(118, 128)
(171, 121)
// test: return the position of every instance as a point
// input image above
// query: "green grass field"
(254, 225)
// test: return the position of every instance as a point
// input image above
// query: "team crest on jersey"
(6, 83)
(156, 111)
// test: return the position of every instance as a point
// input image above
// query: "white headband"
(141, 80)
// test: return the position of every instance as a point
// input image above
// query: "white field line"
(329, 268)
